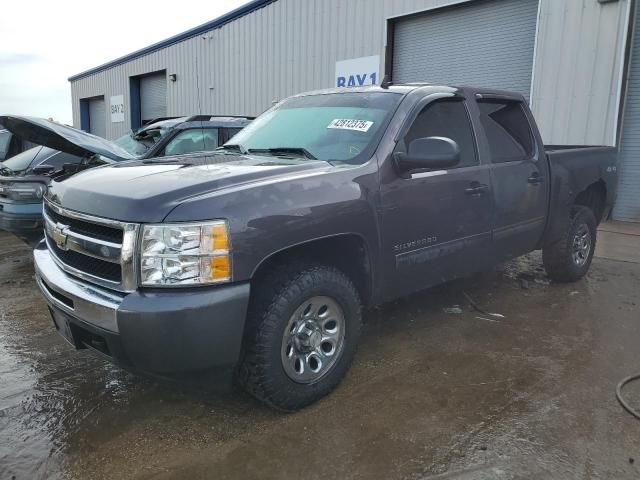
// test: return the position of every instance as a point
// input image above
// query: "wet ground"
(438, 390)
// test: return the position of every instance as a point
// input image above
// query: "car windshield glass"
(5, 141)
(341, 127)
(22, 161)
(138, 144)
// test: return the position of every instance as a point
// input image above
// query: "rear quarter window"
(507, 130)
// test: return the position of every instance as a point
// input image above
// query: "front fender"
(268, 218)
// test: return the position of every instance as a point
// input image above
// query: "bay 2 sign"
(117, 109)
(358, 72)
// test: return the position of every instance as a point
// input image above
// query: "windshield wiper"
(285, 152)
(233, 148)
(167, 161)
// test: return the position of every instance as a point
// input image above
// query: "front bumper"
(22, 225)
(159, 332)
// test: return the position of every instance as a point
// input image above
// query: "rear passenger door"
(519, 177)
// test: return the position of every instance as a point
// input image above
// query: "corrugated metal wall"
(628, 202)
(292, 45)
(577, 77)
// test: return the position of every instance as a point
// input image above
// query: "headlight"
(185, 254)
(23, 191)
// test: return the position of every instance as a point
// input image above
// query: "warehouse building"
(576, 61)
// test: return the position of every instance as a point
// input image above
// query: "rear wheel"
(569, 259)
(302, 332)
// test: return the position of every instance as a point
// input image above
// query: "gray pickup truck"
(259, 258)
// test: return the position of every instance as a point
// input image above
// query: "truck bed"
(577, 169)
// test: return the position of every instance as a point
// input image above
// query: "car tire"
(302, 331)
(569, 259)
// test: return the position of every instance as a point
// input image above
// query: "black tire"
(275, 299)
(558, 257)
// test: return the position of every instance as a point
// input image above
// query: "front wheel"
(569, 259)
(303, 329)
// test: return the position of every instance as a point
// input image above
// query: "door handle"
(535, 179)
(476, 189)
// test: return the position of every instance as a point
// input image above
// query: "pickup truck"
(259, 258)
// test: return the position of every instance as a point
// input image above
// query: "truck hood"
(62, 137)
(148, 190)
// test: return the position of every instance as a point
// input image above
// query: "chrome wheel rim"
(581, 245)
(313, 340)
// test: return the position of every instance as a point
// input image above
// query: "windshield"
(5, 142)
(344, 127)
(23, 160)
(138, 144)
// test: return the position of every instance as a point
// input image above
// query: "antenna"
(386, 81)
(198, 92)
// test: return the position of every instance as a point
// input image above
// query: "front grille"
(84, 263)
(88, 229)
(84, 241)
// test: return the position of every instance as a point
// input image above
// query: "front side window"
(507, 129)
(195, 140)
(340, 127)
(446, 118)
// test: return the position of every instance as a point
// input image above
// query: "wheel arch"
(594, 197)
(348, 252)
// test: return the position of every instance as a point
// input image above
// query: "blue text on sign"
(358, 80)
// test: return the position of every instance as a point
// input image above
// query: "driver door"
(436, 225)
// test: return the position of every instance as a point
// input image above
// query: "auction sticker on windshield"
(349, 124)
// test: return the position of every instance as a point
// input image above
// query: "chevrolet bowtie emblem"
(60, 236)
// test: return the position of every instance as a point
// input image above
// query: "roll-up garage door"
(153, 97)
(628, 201)
(480, 43)
(98, 117)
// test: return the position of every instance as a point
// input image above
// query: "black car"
(25, 177)
(179, 136)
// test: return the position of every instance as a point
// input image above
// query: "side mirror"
(43, 169)
(429, 153)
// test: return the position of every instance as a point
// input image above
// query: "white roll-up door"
(480, 43)
(627, 205)
(153, 97)
(98, 117)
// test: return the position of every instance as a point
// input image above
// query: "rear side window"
(446, 118)
(507, 129)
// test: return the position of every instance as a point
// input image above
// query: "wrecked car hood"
(147, 190)
(62, 137)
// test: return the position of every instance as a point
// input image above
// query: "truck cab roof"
(407, 88)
